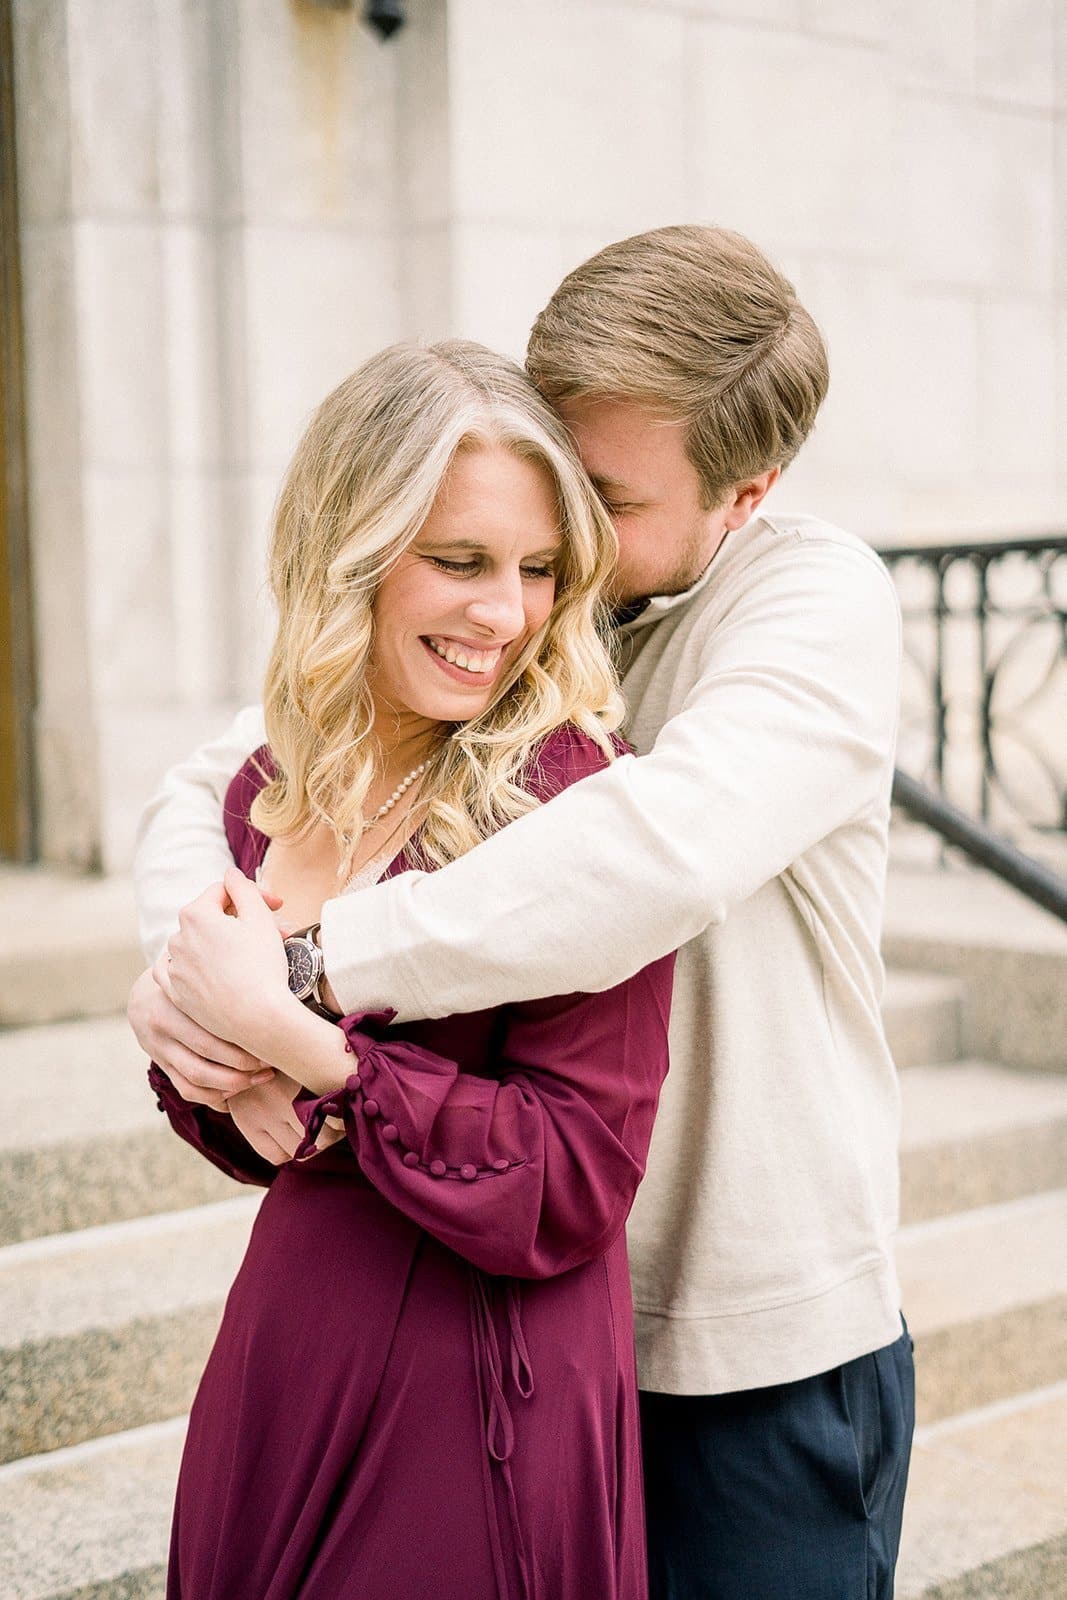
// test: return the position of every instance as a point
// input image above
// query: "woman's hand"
(204, 1069)
(226, 967)
(266, 1117)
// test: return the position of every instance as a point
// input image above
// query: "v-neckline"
(383, 861)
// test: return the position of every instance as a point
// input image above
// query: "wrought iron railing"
(984, 698)
(981, 845)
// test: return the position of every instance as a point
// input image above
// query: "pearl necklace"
(397, 794)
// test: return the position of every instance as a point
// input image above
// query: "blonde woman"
(424, 1382)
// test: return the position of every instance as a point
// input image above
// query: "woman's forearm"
(306, 1047)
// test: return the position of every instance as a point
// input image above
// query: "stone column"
(212, 199)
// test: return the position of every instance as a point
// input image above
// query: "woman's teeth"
(469, 660)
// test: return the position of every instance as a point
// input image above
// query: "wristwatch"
(307, 969)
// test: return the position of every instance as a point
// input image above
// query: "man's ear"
(746, 498)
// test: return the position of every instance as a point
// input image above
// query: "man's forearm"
(787, 736)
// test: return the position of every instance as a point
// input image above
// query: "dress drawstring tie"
(499, 1423)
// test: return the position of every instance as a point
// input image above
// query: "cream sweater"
(751, 830)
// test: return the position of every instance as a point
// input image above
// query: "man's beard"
(691, 565)
(684, 577)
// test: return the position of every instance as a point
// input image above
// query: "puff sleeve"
(531, 1171)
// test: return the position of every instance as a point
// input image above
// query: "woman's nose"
(498, 605)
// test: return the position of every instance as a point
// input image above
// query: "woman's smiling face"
(470, 592)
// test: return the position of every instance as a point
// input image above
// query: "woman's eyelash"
(469, 567)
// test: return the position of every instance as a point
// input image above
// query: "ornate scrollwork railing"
(984, 698)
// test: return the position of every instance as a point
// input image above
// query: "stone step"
(975, 1134)
(986, 1511)
(985, 1516)
(985, 1295)
(68, 945)
(925, 1017)
(81, 1140)
(82, 1144)
(91, 1522)
(109, 1328)
(964, 923)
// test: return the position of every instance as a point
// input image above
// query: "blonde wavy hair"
(358, 490)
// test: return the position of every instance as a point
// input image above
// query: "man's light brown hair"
(696, 323)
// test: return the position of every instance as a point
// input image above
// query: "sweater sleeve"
(530, 1172)
(181, 841)
(214, 1133)
(786, 734)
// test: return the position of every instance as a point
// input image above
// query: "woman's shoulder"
(561, 758)
(565, 756)
(251, 776)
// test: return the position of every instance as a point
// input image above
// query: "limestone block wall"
(209, 198)
(226, 204)
(905, 164)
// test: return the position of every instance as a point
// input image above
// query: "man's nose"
(498, 605)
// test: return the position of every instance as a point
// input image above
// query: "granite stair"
(117, 1246)
(81, 1140)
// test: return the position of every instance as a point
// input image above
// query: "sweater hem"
(776, 1344)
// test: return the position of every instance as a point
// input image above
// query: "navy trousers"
(793, 1492)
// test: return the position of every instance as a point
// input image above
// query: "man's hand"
(266, 1117)
(203, 1068)
(226, 966)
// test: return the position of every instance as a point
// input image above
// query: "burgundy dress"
(424, 1383)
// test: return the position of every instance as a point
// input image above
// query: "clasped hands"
(207, 1010)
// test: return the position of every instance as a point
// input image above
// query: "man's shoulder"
(806, 539)
(793, 578)
(781, 555)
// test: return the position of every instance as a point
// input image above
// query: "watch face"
(302, 967)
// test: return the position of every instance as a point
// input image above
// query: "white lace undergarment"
(369, 872)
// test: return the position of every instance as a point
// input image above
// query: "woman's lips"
(463, 675)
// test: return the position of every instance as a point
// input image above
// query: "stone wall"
(898, 161)
(211, 238)
(226, 204)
